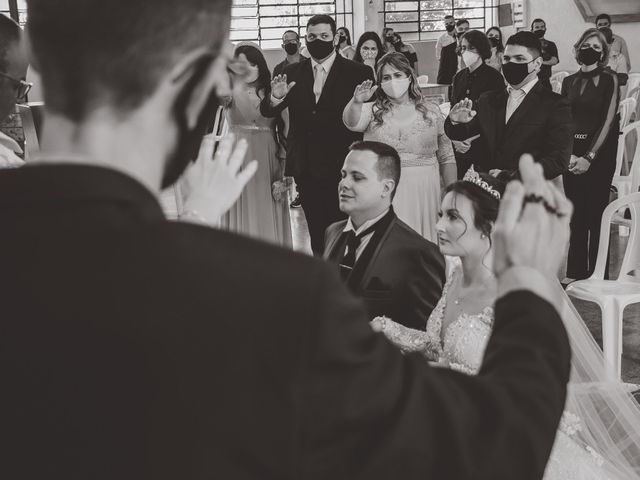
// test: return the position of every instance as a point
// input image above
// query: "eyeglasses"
(22, 87)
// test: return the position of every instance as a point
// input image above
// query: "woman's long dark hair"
(485, 205)
(363, 38)
(255, 57)
(347, 32)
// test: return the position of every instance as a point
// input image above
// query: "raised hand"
(279, 86)
(364, 91)
(532, 229)
(462, 112)
(213, 183)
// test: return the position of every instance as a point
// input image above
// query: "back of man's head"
(10, 36)
(95, 52)
(528, 40)
(12, 63)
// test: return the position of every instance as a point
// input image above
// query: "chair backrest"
(632, 83)
(556, 81)
(626, 109)
(631, 259)
(623, 151)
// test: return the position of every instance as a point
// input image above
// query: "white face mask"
(397, 87)
(368, 54)
(469, 58)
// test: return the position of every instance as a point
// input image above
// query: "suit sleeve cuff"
(276, 101)
(526, 278)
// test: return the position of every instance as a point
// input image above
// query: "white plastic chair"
(629, 183)
(423, 81)
(556, 81)
(614, 295)
(632, 83)
(626, 109)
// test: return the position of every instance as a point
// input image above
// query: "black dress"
(471, 85)
(594, 104)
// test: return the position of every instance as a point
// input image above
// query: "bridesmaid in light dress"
(262, 211)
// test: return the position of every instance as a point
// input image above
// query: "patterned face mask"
(369, 54)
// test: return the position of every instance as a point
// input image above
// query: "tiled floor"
(589, 312)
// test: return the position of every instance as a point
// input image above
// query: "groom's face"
(361, 189)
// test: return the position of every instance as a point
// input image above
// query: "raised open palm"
(462, 112)
(364, 91)
(279, 86)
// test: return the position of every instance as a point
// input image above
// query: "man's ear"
(210, 74)
(388, 187)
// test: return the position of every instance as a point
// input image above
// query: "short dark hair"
(538, 20)
(119, 50)
(291, 31)
(10, 34)
(479, 42)
(447, 17)
(604, 16)
(318, 19)
(528, 40)
(462, 21)
(388, 164)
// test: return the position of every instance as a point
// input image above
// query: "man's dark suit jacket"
(318, 140)
(399, 274)
(132, 347)
(542, 126)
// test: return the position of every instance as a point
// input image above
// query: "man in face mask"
(549, 51)
(315, 91)
(619, 44)
(291, 46)
(526, 117)
(448, 37)
(450, 61)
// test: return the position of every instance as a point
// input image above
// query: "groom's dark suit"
(132, 347)
(541, 125)
(400, 274)
(318, 140)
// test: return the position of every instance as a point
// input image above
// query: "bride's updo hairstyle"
(485, 205)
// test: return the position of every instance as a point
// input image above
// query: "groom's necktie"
(318, 81)
(353, 242)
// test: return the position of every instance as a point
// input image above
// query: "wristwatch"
(590, 156)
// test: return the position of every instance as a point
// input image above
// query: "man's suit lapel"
(334, 73)
(336, 245)
(362, 268)
(527, 104)
(305, 82)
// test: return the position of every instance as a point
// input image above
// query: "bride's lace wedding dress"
(461, 347)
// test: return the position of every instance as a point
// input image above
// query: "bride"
(599, 435)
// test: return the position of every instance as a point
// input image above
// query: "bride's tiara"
(473, 177)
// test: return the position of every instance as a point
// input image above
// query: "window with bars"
(424, 20)
(265, 21)
(16, 9)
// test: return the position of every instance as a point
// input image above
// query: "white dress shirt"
(8, 150)
(516, 97)
(323, 69)
(364, 241)
(444, 40)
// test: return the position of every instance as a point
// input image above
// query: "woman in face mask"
(471, 82)
(593, 95)
(494, 34)
(400, 117)
(369, 50)
(262, 210)
(342, 41)
(387, 40)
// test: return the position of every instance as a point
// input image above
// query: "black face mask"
(495, 43)
(389, 38)
(291, 48)
(539, 33)
(320, 49)
(515, 73)
(589, 56)
(449, 28)
(189, 140)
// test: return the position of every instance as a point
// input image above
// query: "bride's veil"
(600, 412)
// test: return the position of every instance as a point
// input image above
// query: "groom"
(133, 347)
